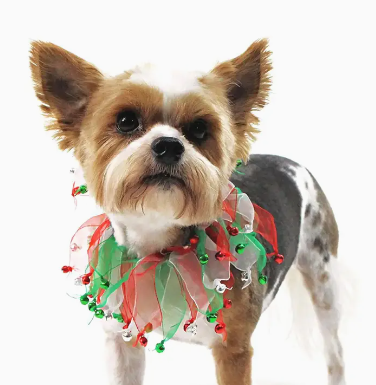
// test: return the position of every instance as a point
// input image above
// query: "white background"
(321, 114)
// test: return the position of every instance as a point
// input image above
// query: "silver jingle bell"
(245, 276)
(192, 329)
(108, 315)
(247, 228)
(221, 288)
(126, 335)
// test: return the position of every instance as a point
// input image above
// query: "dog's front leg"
(233, 366)
(233, 359)
(125, 363)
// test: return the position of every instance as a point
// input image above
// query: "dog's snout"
(167, 150)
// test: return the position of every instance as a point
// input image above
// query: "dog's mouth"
(164, 179)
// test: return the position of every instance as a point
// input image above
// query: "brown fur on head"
(82, 106)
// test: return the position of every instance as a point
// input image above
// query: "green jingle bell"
(263, 279)
(240, 248)
(83, 189)
(118, 317)
(84, 299)
(99, 313)
(104, 284)
(211, 318)
(160, 348)
(204, 258)
(92, 306)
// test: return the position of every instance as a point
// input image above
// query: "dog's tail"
(291, 323)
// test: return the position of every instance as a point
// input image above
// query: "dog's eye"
(198, 129)
(127, 121)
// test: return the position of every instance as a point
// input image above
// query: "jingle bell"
(126, 335)
(221, 288)
(245, 276)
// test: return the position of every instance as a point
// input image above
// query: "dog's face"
(149, 140)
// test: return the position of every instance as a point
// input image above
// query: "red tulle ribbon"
(265, 226)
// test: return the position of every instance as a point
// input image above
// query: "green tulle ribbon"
(171, 299)
(110, 256)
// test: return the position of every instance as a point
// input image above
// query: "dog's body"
(307, 237)
(156, 154)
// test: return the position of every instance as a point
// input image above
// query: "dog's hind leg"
(317, 260)
(320, 285)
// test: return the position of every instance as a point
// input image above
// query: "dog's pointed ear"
(247, 82)
(64, 83)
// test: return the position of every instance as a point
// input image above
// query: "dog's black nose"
(167, 150)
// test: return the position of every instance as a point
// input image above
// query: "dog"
(156, 148)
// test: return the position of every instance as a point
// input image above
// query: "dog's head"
(149, 140)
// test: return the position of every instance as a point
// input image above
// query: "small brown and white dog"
(156, 148)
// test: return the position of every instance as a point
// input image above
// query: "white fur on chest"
(141, 232)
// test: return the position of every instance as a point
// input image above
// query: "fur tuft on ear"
(64, 83)
(247, 81)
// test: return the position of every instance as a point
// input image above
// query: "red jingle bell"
(220, 256)
(143, 341)
(227, 303)
(194, 240)
(278, 258)
(220, 328)
(85, 279)
(67, 269)
(233, 231)
(188, 324)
